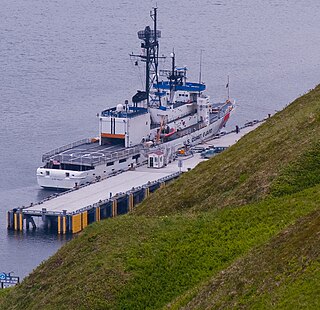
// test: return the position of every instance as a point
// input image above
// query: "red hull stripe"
(226, 117)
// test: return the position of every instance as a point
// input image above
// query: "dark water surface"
(61, 62)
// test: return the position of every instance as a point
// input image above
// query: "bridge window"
(122, 160)
(111, 163)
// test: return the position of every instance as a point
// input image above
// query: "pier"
(72, 211)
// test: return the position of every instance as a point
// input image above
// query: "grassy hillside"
(240, 229)
(3, 293)
(285, 273)
(140, 262)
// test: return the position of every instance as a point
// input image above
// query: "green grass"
(298, 293)
(149, 262)
(194, 250)
(301, 174)
(283, 274)
(223, 235)
(3, 293)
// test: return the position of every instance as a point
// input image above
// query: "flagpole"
(200, 66)
(200, 69)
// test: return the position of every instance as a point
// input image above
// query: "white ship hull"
(68, 179)
(169, 114)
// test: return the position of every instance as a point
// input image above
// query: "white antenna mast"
(200, 69)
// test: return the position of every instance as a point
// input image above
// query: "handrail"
(63, 148)
(101, 159)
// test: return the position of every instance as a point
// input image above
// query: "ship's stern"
(60, 179)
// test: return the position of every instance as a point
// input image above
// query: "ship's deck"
(88, 195)
(92, 153)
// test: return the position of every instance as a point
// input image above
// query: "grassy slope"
(150, 261)
(3, 293)
(285, 273)
(140, 262)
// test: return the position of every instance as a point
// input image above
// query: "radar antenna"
(150, 56)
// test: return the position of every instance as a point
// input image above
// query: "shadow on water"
(40, 233)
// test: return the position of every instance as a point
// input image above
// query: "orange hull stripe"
(109, 135)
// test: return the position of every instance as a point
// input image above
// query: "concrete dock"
(71, 211)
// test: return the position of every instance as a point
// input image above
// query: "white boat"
(170, 114)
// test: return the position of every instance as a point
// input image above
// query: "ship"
(169, 115)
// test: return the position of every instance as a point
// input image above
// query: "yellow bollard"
(8, 220)
(97, 214)
(131, 201)
(15, 221)
(114, 208)
(59, 224)
(64, 225)
(84, 219)
(76, 223)
(20, 221)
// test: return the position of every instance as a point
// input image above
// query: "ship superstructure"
(168, 114)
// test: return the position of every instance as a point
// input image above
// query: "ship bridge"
(124, 125)
(128, 112)
(188, 86)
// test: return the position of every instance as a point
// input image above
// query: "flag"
(227, 85)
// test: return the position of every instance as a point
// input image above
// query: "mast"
(172, 77)
(150, 56)
(200, 69)
(154, 16)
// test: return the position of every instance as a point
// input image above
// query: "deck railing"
(94, 159)
(63, 148)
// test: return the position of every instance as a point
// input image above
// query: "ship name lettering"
(208, 132)
(196, 138)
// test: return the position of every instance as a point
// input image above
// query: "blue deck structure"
(189, 86)
(126, 113)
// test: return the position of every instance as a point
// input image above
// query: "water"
(61, 62)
